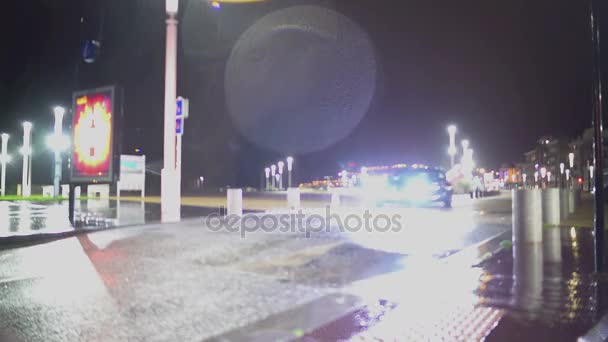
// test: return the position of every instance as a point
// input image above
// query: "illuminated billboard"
(93, 134)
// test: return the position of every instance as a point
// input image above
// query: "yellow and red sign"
(93, 136)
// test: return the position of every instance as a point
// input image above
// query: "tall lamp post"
(267, 173)
(281, 165)
(289, 170)
(26, 151)
(4, 159)
(452, 146)
(170, 194)
(57, 144)
(562, 168)
(273, 172)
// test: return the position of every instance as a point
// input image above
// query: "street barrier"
(564, 206)
(293, 198)
(235, 202)
(550, 206)
(527, 216)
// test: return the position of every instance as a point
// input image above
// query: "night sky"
(505, 73)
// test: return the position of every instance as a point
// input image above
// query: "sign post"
(182, 113)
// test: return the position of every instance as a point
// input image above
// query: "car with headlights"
(411, 186)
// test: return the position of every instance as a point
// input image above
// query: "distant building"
(582, 147)
(550, 152)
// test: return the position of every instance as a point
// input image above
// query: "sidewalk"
(583, 217)
(545, 292)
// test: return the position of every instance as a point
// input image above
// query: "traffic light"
(580, 180)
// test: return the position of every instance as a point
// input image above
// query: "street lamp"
(289, 169)
(4, 159)
(267, 172)
(562, 169)
(571, 159)
(26, 151)
(170, 194)
(273, 172)
(57, 143)
(452, 146)
(281, 167)
(277, 177)
(465, 145)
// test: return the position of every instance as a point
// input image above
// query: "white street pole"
(273, 172)
(170, 200)
(4, 159)
(452, 146)
(26, 177)
(289, 169)
(58, 132)
(178, 164)
(281, 167)
(267, 173)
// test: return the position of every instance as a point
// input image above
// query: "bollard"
(235, 202)
(550, 206)
(564, 207)
(528, 270)
(527, 216)
(293, 198)
(552, 244)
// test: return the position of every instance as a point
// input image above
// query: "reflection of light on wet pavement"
(435, 300)
(424, 231)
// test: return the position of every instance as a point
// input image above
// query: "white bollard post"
(235, 202)
(528, 270)
(293, 198)
(564, 207)
(527, 216)
(550, 206)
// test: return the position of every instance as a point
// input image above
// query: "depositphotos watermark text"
(307, 223)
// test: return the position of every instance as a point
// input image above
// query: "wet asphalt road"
(184, 282)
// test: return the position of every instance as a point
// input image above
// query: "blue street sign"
(179, 126)
(182, 107)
